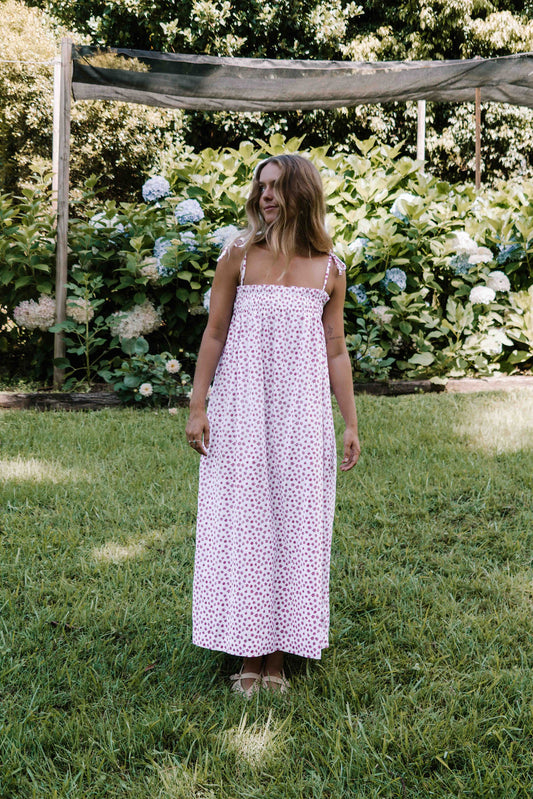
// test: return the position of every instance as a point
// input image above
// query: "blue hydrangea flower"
(222, 235)
(155, 189)
(359, 292)
(505, 251)
(161, 246)
(206, 299)
(397, 276)
(188, 211)
(460, 264)
(188, 239)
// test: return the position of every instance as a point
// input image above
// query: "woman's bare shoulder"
(233, 254)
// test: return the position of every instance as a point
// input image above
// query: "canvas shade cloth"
(201, 82)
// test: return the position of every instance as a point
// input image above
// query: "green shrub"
(146, 378)
(439, 277)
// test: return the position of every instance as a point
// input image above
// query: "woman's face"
(268, 205)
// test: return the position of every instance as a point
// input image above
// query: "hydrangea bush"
(149, 379)
(439, 277)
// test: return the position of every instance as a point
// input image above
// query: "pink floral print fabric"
(266, 494)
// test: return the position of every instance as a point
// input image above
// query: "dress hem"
(254, 654)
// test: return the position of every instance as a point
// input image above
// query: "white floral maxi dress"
(266, 495)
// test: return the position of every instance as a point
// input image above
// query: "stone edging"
(43, 401)
(461, 385)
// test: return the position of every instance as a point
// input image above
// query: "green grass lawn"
(426, 689)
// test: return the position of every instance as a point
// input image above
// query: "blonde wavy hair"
(299, 228)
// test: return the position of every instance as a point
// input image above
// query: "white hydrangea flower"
(188, 211)
(79, 309)
(173, 366)
(140, 321)
(479, 207)
(481, 255)
(466, 248)
(155, 189)
(222, 236)
(461, 243)
(492, 343)
(33, 315)
(500, 335)
(498, 281)
(150, 269)
(482, 295)
(398, 208)
(383, 314)
(146, 389)
(357, 246)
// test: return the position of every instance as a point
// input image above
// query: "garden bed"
(94, 400)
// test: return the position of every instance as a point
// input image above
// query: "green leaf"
(422, 358)
(141, 346)
(62, 363)
(25, 280)
(518, 356)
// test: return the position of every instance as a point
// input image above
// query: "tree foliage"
(368, 30)
(118, 141)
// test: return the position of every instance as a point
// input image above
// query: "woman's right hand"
(197, 431)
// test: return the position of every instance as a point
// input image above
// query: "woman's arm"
(213, 340)
(340, 369)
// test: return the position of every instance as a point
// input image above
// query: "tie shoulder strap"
(243, 269)
(341, 267)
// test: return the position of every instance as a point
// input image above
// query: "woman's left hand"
(352, 449)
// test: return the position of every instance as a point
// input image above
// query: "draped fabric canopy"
(201, 82)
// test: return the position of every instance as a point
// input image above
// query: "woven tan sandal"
(239, 688)
(268, 679)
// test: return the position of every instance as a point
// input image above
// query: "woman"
(266, 499)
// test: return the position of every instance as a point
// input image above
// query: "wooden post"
(63, 154)
(478, 138)
(55, 134)
(421, 132)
